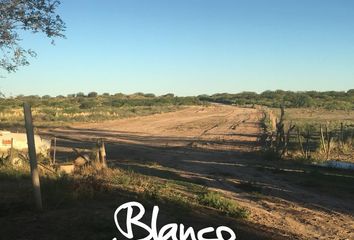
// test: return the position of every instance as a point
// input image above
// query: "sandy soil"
(219, 146)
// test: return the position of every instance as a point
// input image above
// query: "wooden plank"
(32, 155)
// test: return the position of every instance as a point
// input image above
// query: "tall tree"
(25, 15)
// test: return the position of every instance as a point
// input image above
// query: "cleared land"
(218, 146)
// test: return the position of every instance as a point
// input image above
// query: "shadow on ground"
(69, 214)
(234, 171)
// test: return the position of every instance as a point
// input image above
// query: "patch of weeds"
(191, 187)
(154, 192)
(123, 179)
(225, 205)
(8, 171)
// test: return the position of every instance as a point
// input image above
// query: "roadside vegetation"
(330, 100)
(91, 181)
(323, 122)
(310, 134)
(58, 111)
(82, 204)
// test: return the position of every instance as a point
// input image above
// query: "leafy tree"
(168, 95)
(119, 95)
(80, 94)
(149, 95)
(92, 94)
(88, 105)
(25, 15)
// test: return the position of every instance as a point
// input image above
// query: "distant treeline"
(94, 100)
(328, 100)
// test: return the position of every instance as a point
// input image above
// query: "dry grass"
(56, 117)
(92, 181)
(316, 116)
(308, 122)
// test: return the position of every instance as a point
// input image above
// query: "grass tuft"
(225, 205)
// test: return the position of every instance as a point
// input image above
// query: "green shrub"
(227, 206)
(88, 105)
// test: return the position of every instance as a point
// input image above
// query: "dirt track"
(218, 146)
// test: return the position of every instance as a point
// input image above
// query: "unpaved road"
(218, 146)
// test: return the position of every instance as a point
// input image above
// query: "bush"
(88, 105)
(80, 94)
(92, 94)
(227, 206)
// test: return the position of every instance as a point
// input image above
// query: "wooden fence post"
(55, 149)
(300, 142)
(341, 135)
(11, 154)
(102, 153)
(323, 141)
(32, 155)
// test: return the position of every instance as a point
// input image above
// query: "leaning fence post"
(32, 155)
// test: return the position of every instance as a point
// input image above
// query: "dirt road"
(219, 146)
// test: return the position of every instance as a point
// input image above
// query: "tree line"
(94, 100)
(343, 100)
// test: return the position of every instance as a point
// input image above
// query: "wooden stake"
(341, 135)
(329, 138)
(102, 153)
(11, 155)
(300, 142)
(32, 155)
(323, 140)
(55, 149)
(307, 150)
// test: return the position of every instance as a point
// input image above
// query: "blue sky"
(192, 47)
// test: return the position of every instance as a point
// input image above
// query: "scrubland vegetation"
(330, 100)
(60, 110)
(315, 134)
(323, 121)
(80, 107)
(92, 181)
(205, 161)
